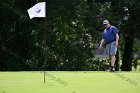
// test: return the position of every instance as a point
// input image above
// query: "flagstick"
(44, 71)
(45, 37)
(45, 52)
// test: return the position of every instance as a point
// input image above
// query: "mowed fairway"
(70, 82)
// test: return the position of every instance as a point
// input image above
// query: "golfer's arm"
(117, 38)
(102, 41)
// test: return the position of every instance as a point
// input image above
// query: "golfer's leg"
(113, 53)
(108, 51)
(113, 59)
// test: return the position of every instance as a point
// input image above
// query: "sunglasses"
(104, 24)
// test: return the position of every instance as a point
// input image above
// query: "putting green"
(70, 82)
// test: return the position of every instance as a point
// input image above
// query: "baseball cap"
(105, 22)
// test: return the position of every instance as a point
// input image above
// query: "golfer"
(110, 39)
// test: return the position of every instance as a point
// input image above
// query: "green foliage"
(73, 29)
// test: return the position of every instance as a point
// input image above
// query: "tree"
(130, 32)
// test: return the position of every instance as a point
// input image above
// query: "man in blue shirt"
(110, 38)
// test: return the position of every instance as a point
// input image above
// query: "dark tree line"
(73, 29)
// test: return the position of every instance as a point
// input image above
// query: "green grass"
(70, 82)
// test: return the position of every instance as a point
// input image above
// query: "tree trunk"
(128, 53)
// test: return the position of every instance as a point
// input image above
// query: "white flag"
(38, 10)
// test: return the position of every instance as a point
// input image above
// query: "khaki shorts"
(111, 48)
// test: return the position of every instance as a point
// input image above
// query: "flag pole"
(45, 48)
(45, 52)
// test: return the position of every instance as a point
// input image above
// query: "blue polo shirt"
(109, 34)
